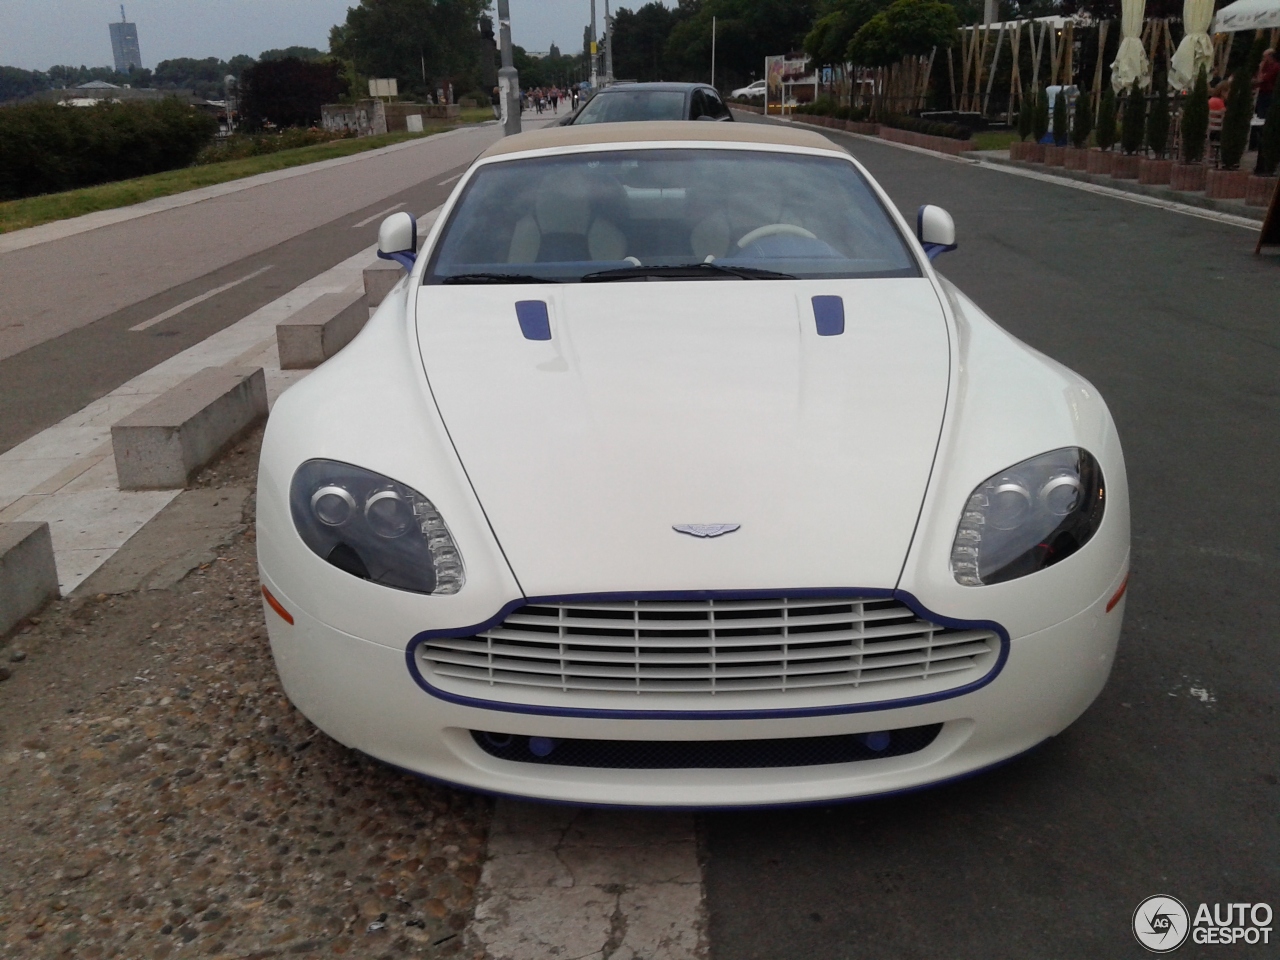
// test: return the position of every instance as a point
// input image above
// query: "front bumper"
(362, 694)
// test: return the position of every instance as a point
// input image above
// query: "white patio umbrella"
(1131, 60)
(1248, 15)
(1196, 49)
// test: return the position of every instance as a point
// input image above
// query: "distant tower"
(124, 44)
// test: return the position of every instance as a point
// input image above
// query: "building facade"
(124, 44)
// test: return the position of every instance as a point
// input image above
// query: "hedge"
(952, 131)
(47, 148)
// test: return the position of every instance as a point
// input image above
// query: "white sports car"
(672, 474)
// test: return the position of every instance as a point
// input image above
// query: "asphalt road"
(69, 303)
(1156, 789)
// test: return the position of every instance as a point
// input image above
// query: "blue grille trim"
(906, 599)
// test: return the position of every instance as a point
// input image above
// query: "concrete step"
(28, 576)
(322, 328)
(160, 445)
(379, 278)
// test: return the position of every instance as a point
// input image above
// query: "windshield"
(620, 106)
(640, 214)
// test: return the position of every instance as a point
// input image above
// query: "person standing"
(1264, 81)
(555, 99)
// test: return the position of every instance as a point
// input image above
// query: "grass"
(994, 139)
(33, 211)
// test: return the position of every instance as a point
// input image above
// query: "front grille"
(712, 647)
(706, 754)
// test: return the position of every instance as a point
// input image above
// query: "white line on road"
(450, 180)
(368, 220)
(186, 304)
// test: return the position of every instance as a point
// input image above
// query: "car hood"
(693, 402)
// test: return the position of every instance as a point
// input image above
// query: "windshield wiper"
(685, 271)
(496, 278)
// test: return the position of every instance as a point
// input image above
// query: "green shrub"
(952, 131)
(239, 146)
(48, 148)
(1269, 146)
(1060, 119)
(1134, 122)
(1107, 119)
(1041, 124)
(1195, 120)
(1158, 121)
(1235, 122)
(1026, 115)
(1082, 122)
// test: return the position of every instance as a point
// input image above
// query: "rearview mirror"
(935, 230)
(398, 239)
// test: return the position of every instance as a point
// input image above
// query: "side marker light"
(274, 604)
(1119, 593)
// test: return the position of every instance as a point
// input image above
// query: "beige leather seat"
(563, 228)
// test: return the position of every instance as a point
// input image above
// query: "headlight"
(1028, 517)
(374, 528)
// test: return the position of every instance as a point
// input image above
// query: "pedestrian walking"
(555, 99)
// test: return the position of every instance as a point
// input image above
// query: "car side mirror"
(398, 239)
(935, 230)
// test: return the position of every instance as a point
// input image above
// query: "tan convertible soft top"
(658, 131)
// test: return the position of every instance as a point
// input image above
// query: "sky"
(36, 34)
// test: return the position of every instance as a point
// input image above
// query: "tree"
(397, 38)
(747, 31)
(1107, 118)
(1060, 119)
(1195, 120)
(299, 53)
(1158, 121)
(828, 41)
(640, 42)
(1041, 123)
(1082, 122)
(1269, 144)
(1026, 115)
(1135, 119)
(905, 28)
(289, 92)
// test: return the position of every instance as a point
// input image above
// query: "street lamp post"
(608, 44)
(508, 77)
(594, 75)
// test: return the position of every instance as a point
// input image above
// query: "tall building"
(124, 44)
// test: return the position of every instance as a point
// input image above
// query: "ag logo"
(1161, 924)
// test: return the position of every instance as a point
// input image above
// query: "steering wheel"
(773, 229)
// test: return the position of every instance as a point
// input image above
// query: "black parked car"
(651, 101)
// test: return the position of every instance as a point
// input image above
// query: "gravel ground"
(160, 796)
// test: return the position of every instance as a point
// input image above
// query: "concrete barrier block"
(161, 444)
(379, 278)
(28, 577)
(319, 330)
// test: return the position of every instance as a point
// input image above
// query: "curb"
(1236, 208)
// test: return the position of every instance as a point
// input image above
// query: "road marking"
(368, 220)
(186, 304)
(585, 883)
(450, 180)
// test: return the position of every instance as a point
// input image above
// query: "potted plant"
(1262, 185)
(1132, 126)
(1190, 173)
(1077, 157)
(1229, 181)
(1026, 121)
(1100, 160)
(1054, 152)
(1039, 126)
(1157, 168)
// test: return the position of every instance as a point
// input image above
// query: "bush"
(1235, 122)
(1026, 116)
(289, 92)
(239, 146)
(1158, 121)
(1040, 125)
(46, 148)
(1195, 120)
(952, 131)
(1107, 119)
(1060, 119)
(1082, 122)
(1134, 122)
(1269, 146)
